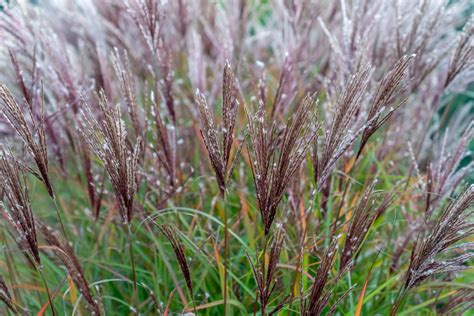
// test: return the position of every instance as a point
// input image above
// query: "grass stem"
(226, 252)
(48, 293)
(59, 210)
(134, 274)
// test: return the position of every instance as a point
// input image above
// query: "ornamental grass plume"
(165, 65)
(65, 253)
(453, 225)
(459, 303)
(339, 136)
(33, 136)
(443, 173)
(17, 209)
(165, 138)
(286, 90)
(178, 248)
(219, 150)
(461, 58)
(127, 89)
(147, 15)
(363, 216)
(275, 156)
(108, 140)
(322, 287)
(95, 189)
(386, 99)
(6, 297)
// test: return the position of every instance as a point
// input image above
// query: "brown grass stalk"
(274, 161)
(453, 225)
(6, 297)
(67, 256)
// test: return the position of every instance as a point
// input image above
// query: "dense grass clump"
(236, 157)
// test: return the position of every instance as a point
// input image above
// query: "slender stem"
(134, 274)
(401, 295)
(59, 210)
(349, 283)
(255, 306)
(263, 267)
(226, 253)
(43, 279)
(346, 186)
